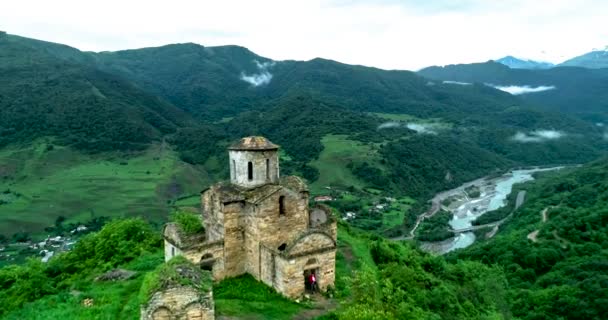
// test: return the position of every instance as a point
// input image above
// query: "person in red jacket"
(313, 281)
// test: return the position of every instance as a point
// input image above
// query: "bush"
(188, 222)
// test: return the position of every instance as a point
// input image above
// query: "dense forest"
(553, 249)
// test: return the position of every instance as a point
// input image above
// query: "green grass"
(353, 252)
(63, 182)
(246, 298)
(332, 162)
(111, 300)
(192, 201)
(396, 212)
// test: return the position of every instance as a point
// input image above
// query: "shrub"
(188, 222)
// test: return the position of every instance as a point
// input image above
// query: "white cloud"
(261, 78)
(389, 34)
(390, 124)
(457, 82)
(422, 128)
(517, 90)
(425, 128)
(538, 136)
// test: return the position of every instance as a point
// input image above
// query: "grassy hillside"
(337, 152)
(553, 249)
(43, 181)
(42, 95)
(375, 279)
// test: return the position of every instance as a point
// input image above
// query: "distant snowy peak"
(516, 63)
(597, 58)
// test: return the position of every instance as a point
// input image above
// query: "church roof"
(253, 143)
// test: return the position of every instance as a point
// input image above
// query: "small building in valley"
(260, 223)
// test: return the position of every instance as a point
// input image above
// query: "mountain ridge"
(595, 59)
(516, 63)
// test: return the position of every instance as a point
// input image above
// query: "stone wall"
(239, 160)
(268, 227)
(213, 250)
(181, 303)
(171, 251)
(290, 272)
(234, 239)
(212, 214)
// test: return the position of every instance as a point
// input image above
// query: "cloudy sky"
(389, 34)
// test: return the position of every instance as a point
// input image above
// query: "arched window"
(282, 247)
(207, 262)
(172, 251)
(281, 205)
(250, 170)
(233, 169)
(162, 313)
(267, 169)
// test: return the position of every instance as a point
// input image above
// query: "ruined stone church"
(260, 223)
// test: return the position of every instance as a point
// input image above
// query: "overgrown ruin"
(260, 223)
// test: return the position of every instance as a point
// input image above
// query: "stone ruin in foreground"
(261, 224)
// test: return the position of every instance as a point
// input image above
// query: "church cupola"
(254, 161)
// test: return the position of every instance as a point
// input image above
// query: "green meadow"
(339, 151)
(41, 182)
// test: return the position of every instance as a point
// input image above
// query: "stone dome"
(253, 143)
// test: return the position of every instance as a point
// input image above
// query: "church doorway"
(308, 286)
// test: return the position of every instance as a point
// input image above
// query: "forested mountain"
(579, 91)
(197, 100)
(554, 249)
(42, 95)
(594, 60)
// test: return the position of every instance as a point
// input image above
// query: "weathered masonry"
(260, 223)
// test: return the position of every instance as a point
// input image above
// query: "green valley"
(59, 181)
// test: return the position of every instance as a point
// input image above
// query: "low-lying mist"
(538, 136)
(422, 128)
(517, 90)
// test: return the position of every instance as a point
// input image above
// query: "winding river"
(493, 193)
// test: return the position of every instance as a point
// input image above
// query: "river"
(492, 195)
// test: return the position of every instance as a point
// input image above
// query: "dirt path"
(544, 214)
(533, 236)
(321, 306)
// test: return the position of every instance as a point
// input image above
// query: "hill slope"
(42, 95)
(554, 248)
(579, 91)
(516, 63)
